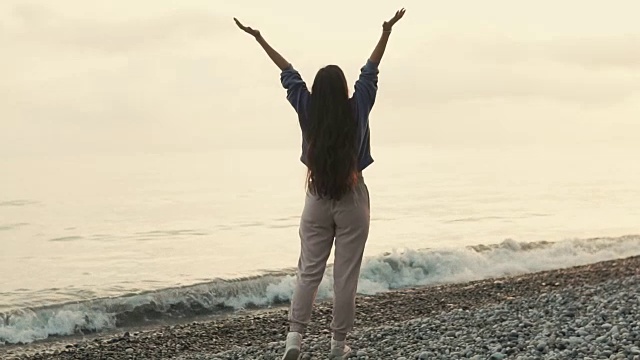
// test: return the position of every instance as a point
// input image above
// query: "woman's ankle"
(297, 328)
(339, 336)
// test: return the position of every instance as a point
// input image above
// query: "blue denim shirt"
(361, 102)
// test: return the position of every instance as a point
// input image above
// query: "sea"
(90, 243)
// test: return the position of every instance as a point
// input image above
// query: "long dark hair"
(331, 139)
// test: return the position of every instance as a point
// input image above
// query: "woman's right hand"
(387, 25)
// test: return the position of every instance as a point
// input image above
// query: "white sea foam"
(398, 269)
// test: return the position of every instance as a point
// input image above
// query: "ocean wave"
(394, 270)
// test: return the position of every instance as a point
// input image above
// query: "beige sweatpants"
(324, 221)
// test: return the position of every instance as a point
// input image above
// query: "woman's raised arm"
(273, 54)
(376, 55)
(367, 84)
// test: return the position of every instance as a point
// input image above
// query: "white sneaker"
(292, 351)
(339, 350)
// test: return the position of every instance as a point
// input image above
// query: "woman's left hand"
(253, 32)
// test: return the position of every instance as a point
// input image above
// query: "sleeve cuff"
(371, 65)
(288, 68)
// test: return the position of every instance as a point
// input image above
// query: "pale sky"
(153, 76)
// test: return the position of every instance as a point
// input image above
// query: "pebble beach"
(585, 312)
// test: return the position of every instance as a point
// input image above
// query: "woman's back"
(335, 128)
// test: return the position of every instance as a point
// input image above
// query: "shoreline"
(264, 328)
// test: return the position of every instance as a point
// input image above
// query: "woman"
(335, 149)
